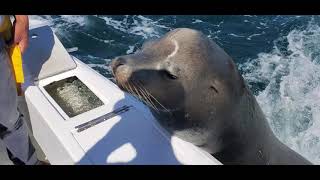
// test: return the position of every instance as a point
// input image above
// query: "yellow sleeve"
(16, 59)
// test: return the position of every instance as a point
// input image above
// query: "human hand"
(21, 31)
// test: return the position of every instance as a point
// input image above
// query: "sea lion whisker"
(157, 101)
(147, 99)
(143, 95)
(130, 89)
(127, 88)
(136, 91)
(147, 95)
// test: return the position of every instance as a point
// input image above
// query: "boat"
(76, 116)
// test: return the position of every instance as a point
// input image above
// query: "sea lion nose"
(120, 69)
(118, 61)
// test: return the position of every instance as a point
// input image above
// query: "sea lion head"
(186, 79)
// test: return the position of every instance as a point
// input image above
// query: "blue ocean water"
(278, 56)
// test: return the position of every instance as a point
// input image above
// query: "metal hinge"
(103, 118)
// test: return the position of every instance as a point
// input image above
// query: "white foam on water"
(60, 23)
(141, 26)
(253, 35)
(291, 99)
(219, 24)
(106, 41)
(40, 20)
(235, 35)
(34, 20)
(197, 21)
(78, 19)
(103, 66)
(130, 50)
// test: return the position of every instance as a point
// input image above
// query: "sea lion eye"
(169, 75)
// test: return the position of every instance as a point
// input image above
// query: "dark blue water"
(278, 56)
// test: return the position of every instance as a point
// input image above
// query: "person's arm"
(21, 31)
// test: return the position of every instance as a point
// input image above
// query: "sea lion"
(196, 92)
